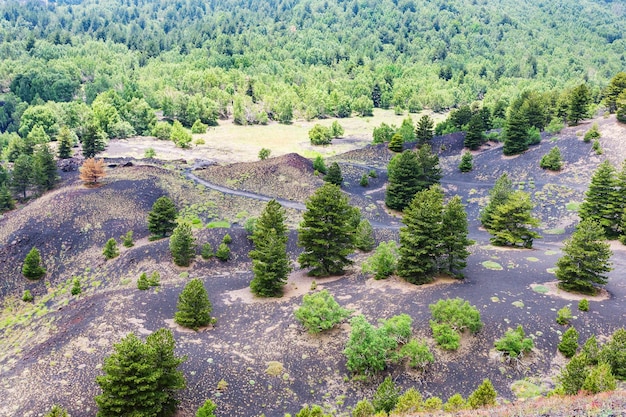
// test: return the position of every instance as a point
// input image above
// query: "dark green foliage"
(141, 378)
(270, 262)
(319, 165)
(27, 297)
(183, 244)
(573, 376)
(144, 282)
(402, 183)
(76, 288)
(320, 135)
(57, 411)
(364, 236)
(585, 260)
(206, 251)
(383, 133)
(6, 201)
(420, 246)
(454, 241)
(600, 379)
(424, 129)
(198, 127)
(483, 396)
(193, 307)
(515, 134)
(614, 353)
(319, 311)
(498, 195)
(396, 144)
(32, 268)
(93, 140)
(383, 262)
(326, 233)
(264, 153)
(461, 116)
(564, 315)
(514, 343)
(207, 409)
(552, 160)
(467, 162)
(162, 217)
(364, 181)
(569, 343)
(127, 239)
(372, 173)
(510, 221)
(583, 305)
(474, 137)
(591, 351)
(334, 175)
(580, 99)
(110, 250)
(223, 252)
(22, 175)
(602, 199)
(44, 168)
(386, 396)
(429, 172)
(612, 91)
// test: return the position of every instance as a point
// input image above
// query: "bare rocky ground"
(56, 346)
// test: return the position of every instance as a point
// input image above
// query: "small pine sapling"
(32, 268)
(467, 162)
(110, 250)
(27, 297)
(583, 305)
(484, 395)
(76, 288)
(127, 239)
(364, 182)
(227, 239)
(223, 252)
(207, 251)
(569, 343)
(564, 315)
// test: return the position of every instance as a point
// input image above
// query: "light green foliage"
(368, 348)
(206, 251)
(207, 409)
(407, 130)
(552, 160)
(264, 153)
(596, 147)
(564, 315)
(409, 402)
(149, 153)
(397, 328)
(454, 404)
(326, 233)
(484, 395)
(383, 262)
(144, 282)
(585, 260)
(320, 135)
(312, 411)
(32, 268)
(433, 404)
(162, 130)
(534, 136)
(363, 408)
(336, 130)
(593, 133)
(319, 311)
(180, 136)
(227, 239)
(193, 307)
(334, 175)
(364, 236)
(182, 244)
(555, 126)
(198, 127)
(396, 144)
(418, 354)
(600, 379)
(27, 297)
(223, 252)
(386, 396)
(467, 162)
(364, 181)
(511, 221)
(162, 217)
(457, 313)
(383, 133)
(76, 288)
(514, 343)
(57, 411)
(614, 353)
(445, 336)
(319, 165)
(363, 106)
(573, 375)
(127, 239)
(569, 343)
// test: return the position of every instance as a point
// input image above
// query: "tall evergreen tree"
(65, 143)
(270, 262)
(602, 200)
(454, 239)
(22, 175)
(510, 221)
(578, 103)
(498, 195)
(420, 247)
(403, 183)
(585, 260)
(334, 174)
(326, 233)
(193, 307)
(32, 268)
(183, 244)
(44, 168)
(396, 144)
(467, 162)
(93, 140)
(474, 136)
(6, 200)
(162, 217)
(424, 129)
(364, 238)
(429, 171)
(515, 134)
(612, 91)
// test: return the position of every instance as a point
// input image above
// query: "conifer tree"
(334, 175)
(161, 344)
(162, 217)
(510, 222)
(474, 137)
(420, 247)
(65, 143)
(22, 175)
(585, 259)
(578, 103)
(429, 171)
(207, 409)
(573, 376)
(92, 140)
(193, 307)
(57, 411)
(326, 233)
(270, 262)
(364, 238)
(44, 168)
(319, 165)
(424, 130)
(32, 268)
(402, 183)
(386, 396)
(515, 134)
(552, 160)
(602, 200)
(396, 144)
(6, 201)
(92, 170)
(467, 162)
(183, 244)
(110, 250)
(498, 195)
(483, 396)
(454, 239)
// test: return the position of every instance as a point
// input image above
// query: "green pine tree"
(386, 396)
(22, 175)
(319, 165)
(578, 104)
(396, 144)
(110, 250)
(334, 175)
(573, 376)
(193, 307)
(6, 201)
(32, 268)
(183, 244)
(498, 195)
(162, 217)
(57, 411)
(207, 409)
(474, 137)
(510, 222)
(402, 180)
(424, 129)
(364, 237)
(454, 241)
(65, 143)
(93, 140)
(270, 262)
(44, 168)
(552, 160)
(585, 260)
(484, 395)
(569, 343)
(467, 162)
(326, 233)
(420, 238)
(602, 200)
(515, 134)
(429, 171)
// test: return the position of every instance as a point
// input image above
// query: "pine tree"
(573, 376)
(57, 411)
(334, 175)
(552, 160)
(110, 250)
(602, 200)
(65, 143)
(193, 307)
(429, 171)
(207, 409)
(612, 91)
(499, 194)
(474, 137)
(420, 237)
(454, 239)
(386, 396)
(6, 201)
(515, 134)
(467, 162)
(364, 238)
(510, 222)
(32, 268)
(92, 140)
(92, 170)
(402, 183)
(424, 130)
(578, 103)
(484, 395)
(569, 343)
(319, 165)
(585, 259)
(183, 244)
(396, 144)
(326, 233)
(270, 262)
(44, 168)
(162, 217)
(22, 175)
(161, 344)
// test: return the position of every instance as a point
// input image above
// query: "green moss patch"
(524, 389)
(532, 259)
(518, 304)
(494, 266)
(573, 206)
(555, 231)
(541, 289)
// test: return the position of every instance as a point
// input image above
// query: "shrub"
(76, 289)
(127, 239)
(583, 305)
(264, 153)
(372, 173)
(397, 328)
(596, 147)
(573, 375)
(383, 262)
(32, 268)
(162, 130)
(223, 252)
(207, 409)
(569, 343)
(592, 133)
(149, 153)
(445, 336)
(319, 165)
(142, 282)
(564, 315)
(250, 225)
(409, 402)
(457, 313)
(433, 404)
(386, 396)
(207, 251)
(418, 353)
(552, 160)
(110, 250)
(533, 136)
(484, 395)
(383, 133)
(363, 408)
(454, 404)
(27, 297)
(198, 127)
(320, 135)
(199, 142)
(514, 343)
(467, 162)
(600, 379)
(320, 311)
(57, 411)
(614, 353)
(367, 348)
(364, 182)
(555, 126)
(227, 239)
(336, 130)
(591, 350)
(364, 236)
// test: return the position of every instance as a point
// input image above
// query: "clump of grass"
(541, 289)
(494, 266)
(274, 368)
